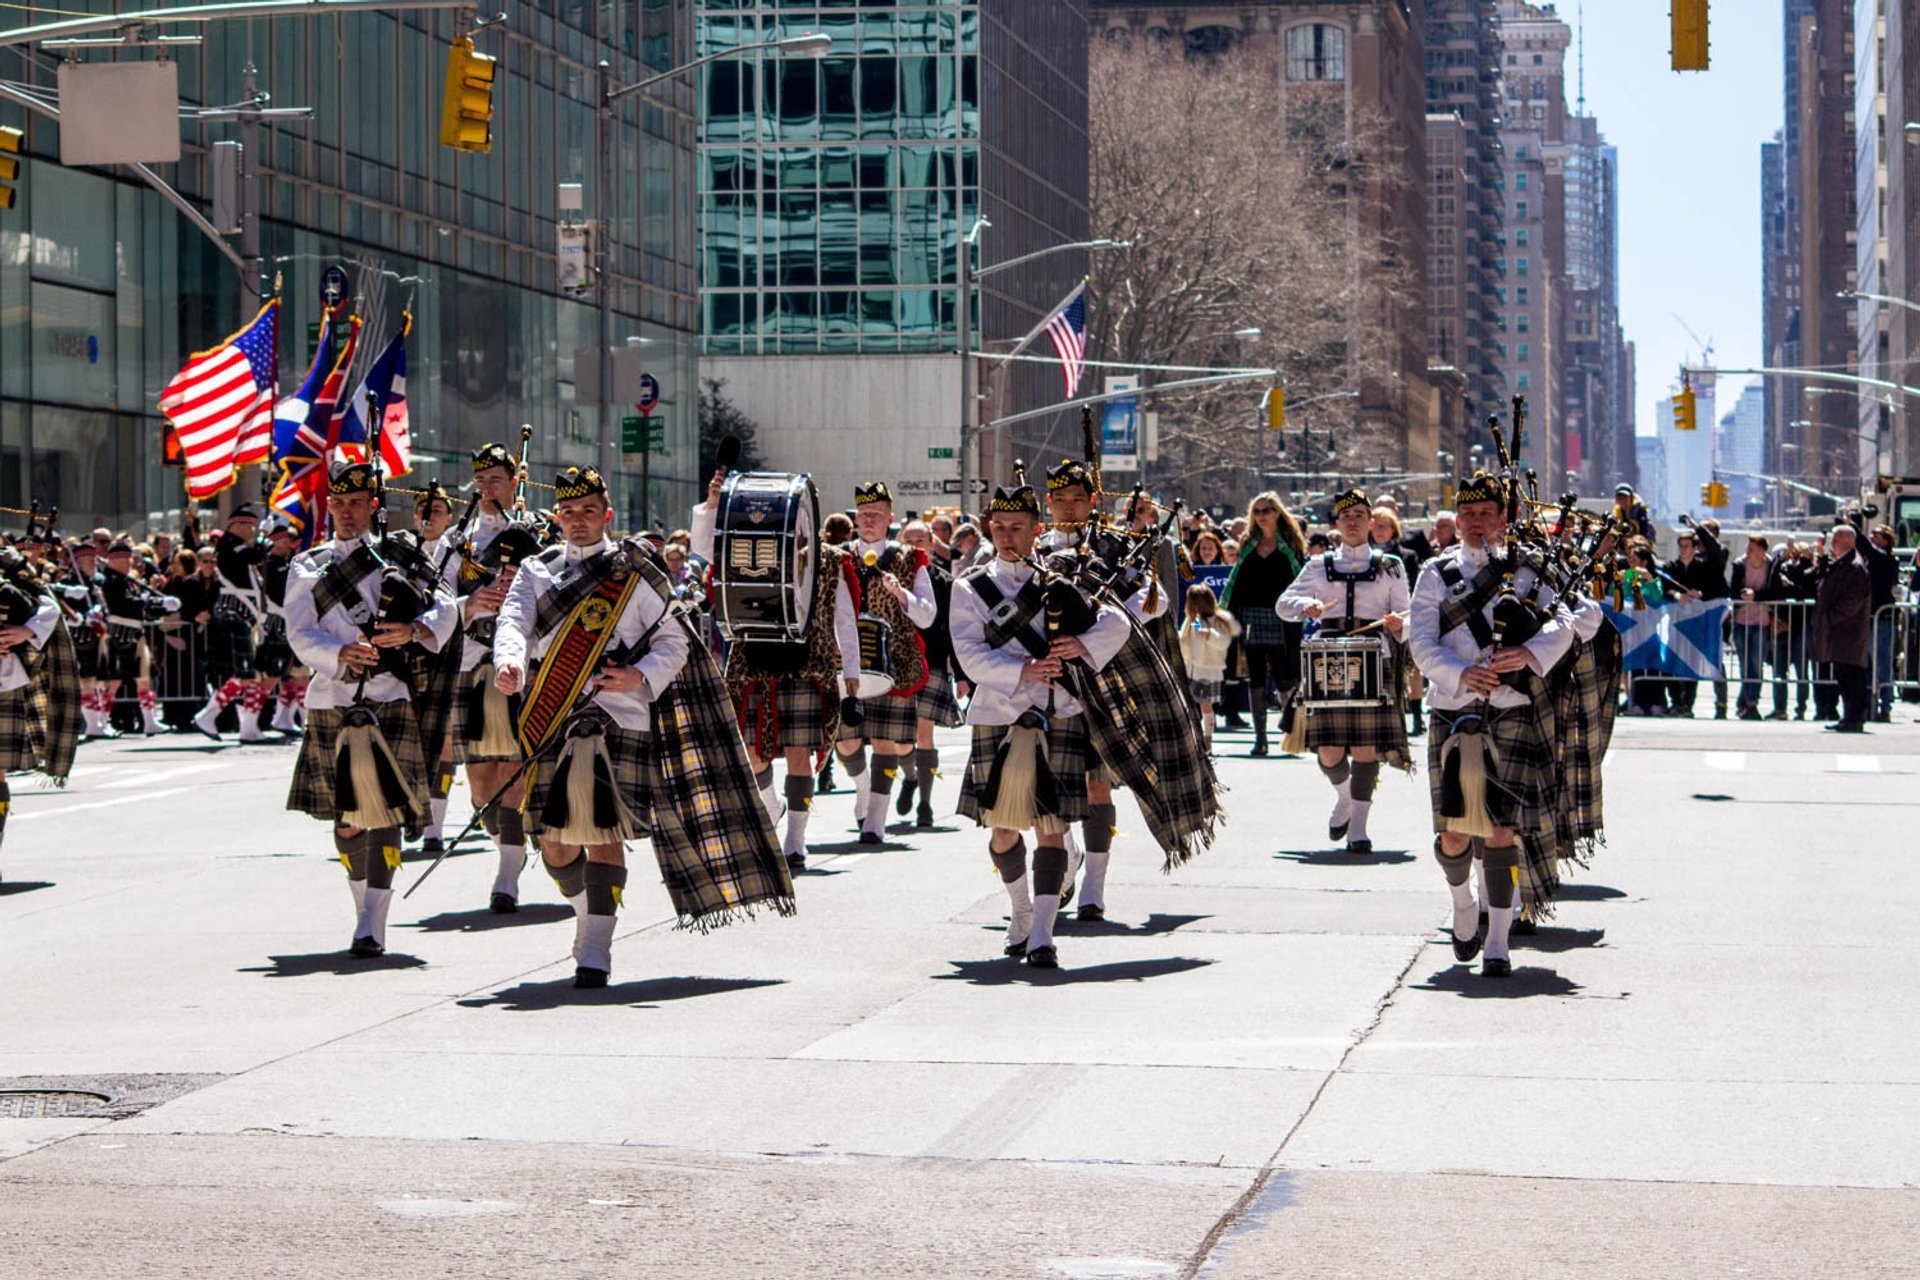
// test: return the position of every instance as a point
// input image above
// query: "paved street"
(1266, 1064)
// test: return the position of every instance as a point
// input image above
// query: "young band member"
(231, 673)
(77, 584)
(1000, 639)
(432, 518)
(936, 705)
(274, 658)
(587, 577)
(1483, 700)
(40, 719)
(895, 588)
(131, 605)
(328, 589)
(1344, 590)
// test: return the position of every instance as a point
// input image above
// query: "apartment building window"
(1522, 352)
(1316, 51)
(1523, 322)
(1519, 208)
(1520, 266)
(1520, 236)
(1524, 383)
(1520, 295)
(1520, 179)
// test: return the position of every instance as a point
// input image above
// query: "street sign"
(342, 329)
(937, 452)
(571, 257)
(333, 286)
(649, 398)
(953, 486)
(643, 435)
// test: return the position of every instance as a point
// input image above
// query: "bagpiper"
(79, 587)
(40, 719)
(361, 765)
(1354, 589)
(432, 516)
(937, 705)
(231, 647)
(131, 607)
(896, 595)
(1490, 748)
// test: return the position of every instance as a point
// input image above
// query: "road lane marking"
(100, 804)
(1725, 761)
(146, 776)
(1856, 764)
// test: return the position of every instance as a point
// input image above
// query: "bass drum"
(765, 556)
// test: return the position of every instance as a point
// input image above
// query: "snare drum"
(766, 556)
(876, 656)
(1344, 671)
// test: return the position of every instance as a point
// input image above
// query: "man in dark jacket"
(1843, 626)
(1701, 568)
(1883, 570)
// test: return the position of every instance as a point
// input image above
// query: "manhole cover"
(48, 1104)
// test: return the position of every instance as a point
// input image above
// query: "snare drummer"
(1354, 589)
(896, 589)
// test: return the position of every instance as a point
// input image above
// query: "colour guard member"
(1355, 589)
(231, 674)
(79, 586)
(361, 765)
(273, 658)
(131, 606)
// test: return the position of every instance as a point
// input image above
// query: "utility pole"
(254, 272)
(603, 275)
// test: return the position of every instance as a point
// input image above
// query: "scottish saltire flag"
(220, 398)
(1068, 329)
(1678, 638)
(301, 435)
(386, 381)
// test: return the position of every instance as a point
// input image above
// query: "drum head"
(804, 511)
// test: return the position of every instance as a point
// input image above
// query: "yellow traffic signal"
(1714, 494)
(10, 140)
(1683, 409)
(466, 112)
(1277, 409)
(1689, 35)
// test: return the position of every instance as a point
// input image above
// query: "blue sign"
(1120, 435)
(1214, 575)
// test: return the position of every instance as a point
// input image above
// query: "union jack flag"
(1068, 329)
(220, 402)
(303, 438)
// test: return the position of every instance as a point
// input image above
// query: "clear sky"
(1689, 146)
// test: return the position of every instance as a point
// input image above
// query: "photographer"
(1883, 571)
(1843, 625)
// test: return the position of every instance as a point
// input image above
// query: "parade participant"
(1030, 752)
(231, 673)
(355, 691)
(273, 658)
(896, 589)
(40, 719)
(77, 586)
(131, 605)
(432, 520)
(1354, 589)
(1490, 754)
(936, 705)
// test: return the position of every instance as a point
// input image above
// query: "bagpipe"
(21, 585)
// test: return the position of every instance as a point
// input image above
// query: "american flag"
(220, 397)
(1068, 329)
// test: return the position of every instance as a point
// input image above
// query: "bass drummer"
(896, 599)
(1353, 589)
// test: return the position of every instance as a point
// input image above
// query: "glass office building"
(105, 289)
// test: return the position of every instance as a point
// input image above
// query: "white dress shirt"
(922, 605)
(13, 672)
(317, 640)
(1445, 660)
(1386, 594)
(999, 693)
(514, 647)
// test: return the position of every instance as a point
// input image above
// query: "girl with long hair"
(1269, 561)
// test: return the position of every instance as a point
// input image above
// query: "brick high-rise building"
(1827, 452)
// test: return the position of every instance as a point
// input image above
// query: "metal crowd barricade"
(1895, 662)
(1766, 660)
(178, 668)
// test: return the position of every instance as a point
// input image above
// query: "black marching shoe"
(503, 904)
(796, 862)
(366, 948)
(1464, 951)
(924, 818)
(1259, 749)
(1043, 958)
(872, 837)
(1493, 968)
(432, 846)
(589, 979)
(1524, 928)
(1016, 951)
(1360, 848)
(1090, 914)
(903, 803)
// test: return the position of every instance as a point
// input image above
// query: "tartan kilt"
(800, 717)
(465, 750)
(16, 731)
(631, 752)
(230, 648)
(936, 701)
(89, 662)
(1203, 690)
(273, 656)
(1381, 725)
(1069, 755)
(312, 790)
(1522, 801)
(889, 719)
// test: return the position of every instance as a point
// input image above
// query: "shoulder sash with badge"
(581, 614)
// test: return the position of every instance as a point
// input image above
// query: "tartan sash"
(340, 584)
(571, 659)
(1466, 600)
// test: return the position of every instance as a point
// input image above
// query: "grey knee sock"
(1458, 869)
(1336, 773)
(1049, 869)
(926, 762)
(383, 856)
(353, 852)
(1011, 864)
(800, 792)
(883, 774)
(605, 881)
(1501, 861)
(855, 764)
(1365, 774)
(572, 878)
(512, 827)
(1101, 819)
(763, 780)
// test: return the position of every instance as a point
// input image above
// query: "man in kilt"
(937, 705)
(563, 602)
(231, 672)
(131, 606)
(1355, 588)
(78, 586)
(1000, 639)
(40, 719)
(433, 686)
(273, 656)
(330, 590)
(895, 589)
(1481, 687)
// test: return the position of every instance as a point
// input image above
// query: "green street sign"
(940, 453)
(644, 435)
(631, 435)
(342, 330)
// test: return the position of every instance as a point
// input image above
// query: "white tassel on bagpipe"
(369, 789)
(583, 804)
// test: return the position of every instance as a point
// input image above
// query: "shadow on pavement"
(533, 997)
(11, 887)
(1341, 858)
(1004, 972)
(1555, 940)
(1524, 981)
(334, 962)
(484, 920)
(1156, 925)
(854, 846)
(1587, 893)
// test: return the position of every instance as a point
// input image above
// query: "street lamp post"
(811, 45)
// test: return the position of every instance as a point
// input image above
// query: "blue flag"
(1678, 638)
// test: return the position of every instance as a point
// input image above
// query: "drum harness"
(1329, 562)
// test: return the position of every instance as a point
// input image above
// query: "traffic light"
(10, 140)
(1689, 35)
(1683, 408)
(1714, 494)
(1277, 409)
(466, 112)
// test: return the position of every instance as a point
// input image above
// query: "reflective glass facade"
(105, 289)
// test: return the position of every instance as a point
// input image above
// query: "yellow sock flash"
(392, 854)
(619, 896)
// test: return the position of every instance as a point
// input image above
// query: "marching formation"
(592, 706)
